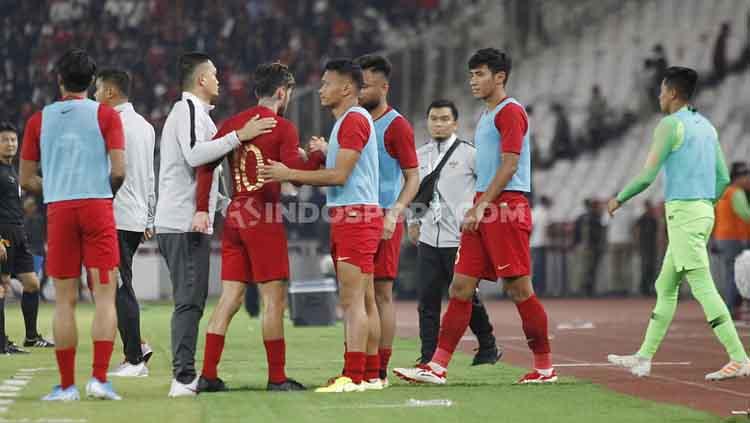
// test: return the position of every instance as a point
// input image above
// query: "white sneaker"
(731, 370)
(130, 370)
(101, 390)
(183, 390)
(639, 366)
(373, 385)
(385, 383)
(423, 373)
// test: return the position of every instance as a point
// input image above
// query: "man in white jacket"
(185, 242)
(134, 212)
(438, 232)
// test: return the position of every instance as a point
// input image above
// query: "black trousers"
(435, 273)
(188, 256)
(128, 312)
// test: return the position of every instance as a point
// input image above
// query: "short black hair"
(271, 76)
(681, 79)
(7, 126)
(117, 77)
(76, 70)
(188, 63)
(375, 63)
(348, 68)
(738, 168)
(496, 61)
(440, 103)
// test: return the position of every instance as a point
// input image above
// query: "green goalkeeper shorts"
(689, 226)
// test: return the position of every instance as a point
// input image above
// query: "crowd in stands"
(606, 122)
(146, 36)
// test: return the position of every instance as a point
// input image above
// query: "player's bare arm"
(29, 177)
(499, 182)
(408, 191)
(318, 144)
(346, 159)
(117, 172)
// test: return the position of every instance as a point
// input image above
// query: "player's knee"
(383, 296)
(65, 301)
(275, 306)
(30, 283)
(351, 301)
(518, 294)
(461, 291)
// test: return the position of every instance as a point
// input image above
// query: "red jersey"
(281, 145)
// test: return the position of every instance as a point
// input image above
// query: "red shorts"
(500, 248)
(386, 258)
(81, 232)
(355, 234)
(257, 253)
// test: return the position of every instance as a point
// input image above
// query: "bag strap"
(191, 107)
(447, 156)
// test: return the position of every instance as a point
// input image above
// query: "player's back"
(690, 168)
(245, 159)
(74, 157)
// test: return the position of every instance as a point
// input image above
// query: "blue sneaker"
(100, 390)
(60, 394)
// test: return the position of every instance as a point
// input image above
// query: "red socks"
(354, 366)
(372, 367)
(66, 363)
(385, 357)
(212, 355)
(534, 320)
(102, 355)
(276, 357)
(452, 328)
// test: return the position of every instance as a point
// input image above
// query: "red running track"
(618, 327)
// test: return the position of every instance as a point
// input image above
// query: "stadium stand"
(148, 35)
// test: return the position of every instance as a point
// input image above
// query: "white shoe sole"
(635, 370)
(538, 381)
(101, 396)
(115, 374)
(419, 379)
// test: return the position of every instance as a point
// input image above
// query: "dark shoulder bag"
(421, 202)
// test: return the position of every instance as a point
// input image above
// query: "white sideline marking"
(16, 382)
(668, 379)
(411, 403)
(576, 325)
(43, 420)
(11, 388)
(38, 369)
(657, 363)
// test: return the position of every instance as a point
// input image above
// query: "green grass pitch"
(482, 394)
